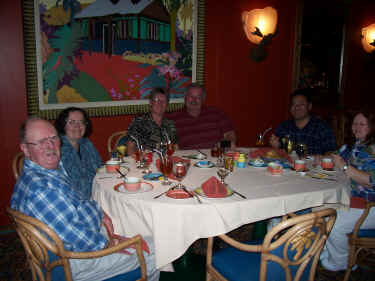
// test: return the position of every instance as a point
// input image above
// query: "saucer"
(204, 164)
(195, 156)
(152, 176)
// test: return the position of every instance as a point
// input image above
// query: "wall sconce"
(260, 27)
(368, 38)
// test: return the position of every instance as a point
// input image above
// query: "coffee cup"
(112, 166)
(275, 168)
(299, 165)
(327, 163)
(132, 183)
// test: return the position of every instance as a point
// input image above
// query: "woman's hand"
(338, 161)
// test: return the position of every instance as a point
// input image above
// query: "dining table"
(175, 224)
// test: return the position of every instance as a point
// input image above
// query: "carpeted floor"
(13, 266)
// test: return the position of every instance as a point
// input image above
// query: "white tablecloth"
(176, 223)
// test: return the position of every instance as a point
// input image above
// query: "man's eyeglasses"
(45, 141)
(76, 122)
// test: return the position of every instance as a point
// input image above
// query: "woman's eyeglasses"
(76, 122)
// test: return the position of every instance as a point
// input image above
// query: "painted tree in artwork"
(73, 5)
(173, 6)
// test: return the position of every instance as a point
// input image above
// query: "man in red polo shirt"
(199, 126)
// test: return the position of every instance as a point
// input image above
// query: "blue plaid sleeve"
(76, 224)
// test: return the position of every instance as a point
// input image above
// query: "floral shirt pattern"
(361, 157)
(149, 134)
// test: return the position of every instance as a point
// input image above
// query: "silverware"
(105, 178)
(193, 194)
(157, 196)
(122, 175)
(239, 194)
(202, 152)
(318, 178)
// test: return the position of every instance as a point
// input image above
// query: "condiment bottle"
(241, 161)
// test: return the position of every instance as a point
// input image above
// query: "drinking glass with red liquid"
(166, 165)
(170, 149)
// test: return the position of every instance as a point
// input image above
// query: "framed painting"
(106, 55)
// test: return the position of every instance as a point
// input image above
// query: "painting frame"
(112, 108)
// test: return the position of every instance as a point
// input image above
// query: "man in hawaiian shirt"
(152, 129)
(43, 192)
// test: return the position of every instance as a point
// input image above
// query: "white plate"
(195, 156)
(145, 187)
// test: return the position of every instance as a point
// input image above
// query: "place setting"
(213, 188)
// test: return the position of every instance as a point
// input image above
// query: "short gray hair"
(23, 128)
(198, 86)
(159, 91)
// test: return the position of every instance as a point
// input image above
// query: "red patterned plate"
(178, 194)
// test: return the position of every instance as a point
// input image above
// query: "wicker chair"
(113, 141)
(47, 258)
(17, 164)
(289, 251)
(361, 243)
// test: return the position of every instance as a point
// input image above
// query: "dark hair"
(306, 92)
(159, 91)
(370, 116)
(23, 129)
(61, 120)
(196, 85)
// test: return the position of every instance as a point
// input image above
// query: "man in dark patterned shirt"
(152, 128)
(304, 127)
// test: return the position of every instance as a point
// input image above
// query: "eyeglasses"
(76, 122)
(159, 101)
(45, 141)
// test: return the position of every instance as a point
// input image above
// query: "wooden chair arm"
(239, 245)
(135, 240)
(362, 218)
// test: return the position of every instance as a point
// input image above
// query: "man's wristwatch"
(345, 168)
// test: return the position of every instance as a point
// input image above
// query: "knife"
(328, 179)
(193, 194)
(241, 195)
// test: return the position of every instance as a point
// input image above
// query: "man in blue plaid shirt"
(305, 128)
(43, 192)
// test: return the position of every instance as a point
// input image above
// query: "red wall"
(360, 66)
(254, 95)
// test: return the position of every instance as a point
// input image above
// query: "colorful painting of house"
(114, 27)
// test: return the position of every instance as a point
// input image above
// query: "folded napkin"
(214, 188)
(115, 238)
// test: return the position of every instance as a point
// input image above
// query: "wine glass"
(166, 165)
(180, 169)
(222, 173)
